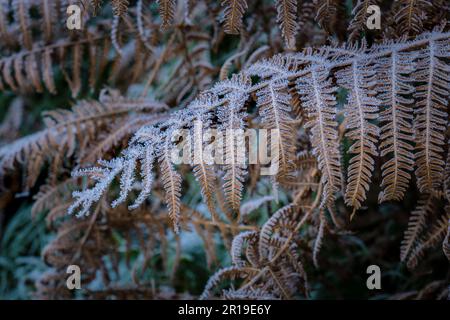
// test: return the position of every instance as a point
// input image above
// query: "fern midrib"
(354, 201)
(394, 117)
(277, 124)
(232, 161)
(428, 115)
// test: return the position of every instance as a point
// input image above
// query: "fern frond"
(171, 180)
(233, 13)
(360, 15)
(104, 176)
(22, 15)
(67, 131)
(238, 244)
(50, 196)
(254, 204)
(203, 166)
(433, 75)
(320, 103)
(434, 236)
(269, 229)
(286, 18)
(410, 16)
(361, 108)
(326, 11)
(221, 275)
(166, 11)
(275, 110)
(416, 225)
(48, 12)
(25, 71)
(147, 177)
(119, 6)
(319, 238)
(396, 130)
(232, 124)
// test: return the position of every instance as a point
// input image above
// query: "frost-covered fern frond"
(360, 111)
(433, 76)
(416, 225)
(320, 103)
(377, 80)
(73, 132)
(269, 264)
(396, 130)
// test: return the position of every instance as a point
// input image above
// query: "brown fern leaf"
(254, 204)
(28, 71)
(232, 124)
(320, 102)
(326, 11)
(254, 258)
(272, 227)
(22, 15)
(430, 123)
(204, 173)
(237, 249)
(319, 238)
(275, 110)
(67, 132)
(434, 236)
(47, 72)
(223, 274)
(396, 130)
(167, 12)
(360, 15)
(361, 108)
(232, 140)
(410, 16)
(286, 18)
(171, 180)
(48, 9)
(120, 7)
(233, 13)
(74, 80)
(49, 196)
(416, 224)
